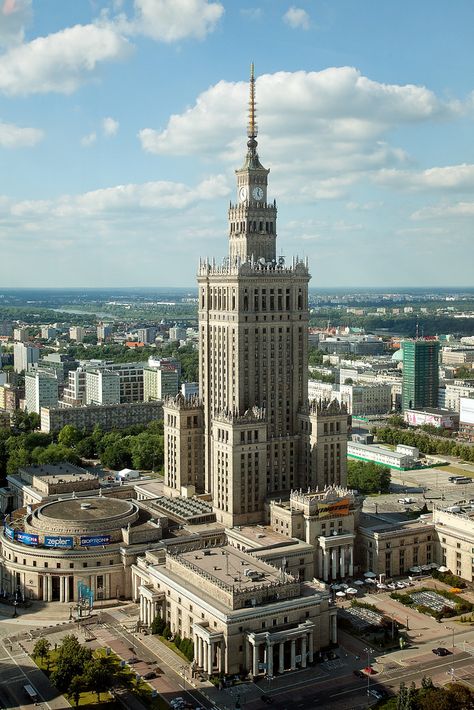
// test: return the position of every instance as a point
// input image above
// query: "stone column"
(320, 563)
(142, 609)
(333, 628)
(303, 652)
(334, 563)
(269, 659)
(342, 562)
(210, 659)
(201, 653)
(293, 654)
(248, 655)
(351, 560)
(326, 565)
(281, 657)
(219, 657)
(310, 646)
(256, 649)
(45, 588)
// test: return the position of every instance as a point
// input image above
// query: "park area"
(91, 678)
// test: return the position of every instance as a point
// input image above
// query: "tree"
(76, 687)
(117, 456)
(41, 648)
(70, 662)
(461, 697)
(368, 477)
(86, 448)
(99, 675)
(69, 436)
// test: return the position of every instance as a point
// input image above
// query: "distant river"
(99, 314)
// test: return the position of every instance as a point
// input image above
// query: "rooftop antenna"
(417, 331)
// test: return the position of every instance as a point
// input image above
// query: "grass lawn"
(456, 470)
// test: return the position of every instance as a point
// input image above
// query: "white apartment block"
(74, 394)
(454, 392)
(24, 356)
(76, 333)
(21, 335)
(160, 382)
(366, 399)
(48, 332)
(102, 387)
(41, 390)
(400, 459)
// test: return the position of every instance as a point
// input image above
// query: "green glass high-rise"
(420, 374)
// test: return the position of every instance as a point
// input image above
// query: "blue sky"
(121, 124)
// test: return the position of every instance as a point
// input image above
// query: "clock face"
(243, 193)
(257, 193)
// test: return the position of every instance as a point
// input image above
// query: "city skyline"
(122, 123)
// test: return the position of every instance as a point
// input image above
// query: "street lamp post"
(368, 651)
(451, 628)
(14, 609)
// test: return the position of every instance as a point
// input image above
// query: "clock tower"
(252, 221)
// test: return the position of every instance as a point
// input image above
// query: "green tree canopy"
(368, 477)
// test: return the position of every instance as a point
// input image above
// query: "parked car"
(377, 693)
(266, 699)
(440, 651)
(150, 675)
(131, 661)
(359, 674)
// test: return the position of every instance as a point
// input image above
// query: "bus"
(31, 692)
(463, 479)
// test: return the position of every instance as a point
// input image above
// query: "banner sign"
(340, 507)
(58, 541)
(26, 538)
(94, 540)
(9, 532)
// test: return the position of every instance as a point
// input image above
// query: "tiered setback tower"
(253, 321)
(260, 436)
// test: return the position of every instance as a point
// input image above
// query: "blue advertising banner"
(58, 541)
(26, 538)
(9, 532)
(94, 540)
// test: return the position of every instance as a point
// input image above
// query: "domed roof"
(398, 355)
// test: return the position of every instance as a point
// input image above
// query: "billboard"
(94, 540)
(58, 541)
(26, 538)
(9, 532)
(334, 508)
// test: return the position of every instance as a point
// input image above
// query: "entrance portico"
(280, 651)
(151, 604)
(209, 650)
(336, 556)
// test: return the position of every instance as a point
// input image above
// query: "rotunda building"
(71, 549)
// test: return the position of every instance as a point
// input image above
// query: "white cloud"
(444, 211)
(449, 177)
(14, 15)
(160, 195)
(12, 136)
(172, 20)
(110, 126)
(61, 61)
(297, 18)
(315, 125)
(89, 139)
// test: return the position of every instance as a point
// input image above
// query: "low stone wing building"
(242, 614)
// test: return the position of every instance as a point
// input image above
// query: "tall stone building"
(253, 324)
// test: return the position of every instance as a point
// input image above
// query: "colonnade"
(294, 651)
(64, 589)
(209, 654)
(336, 561)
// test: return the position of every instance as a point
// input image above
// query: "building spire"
(252, 126)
